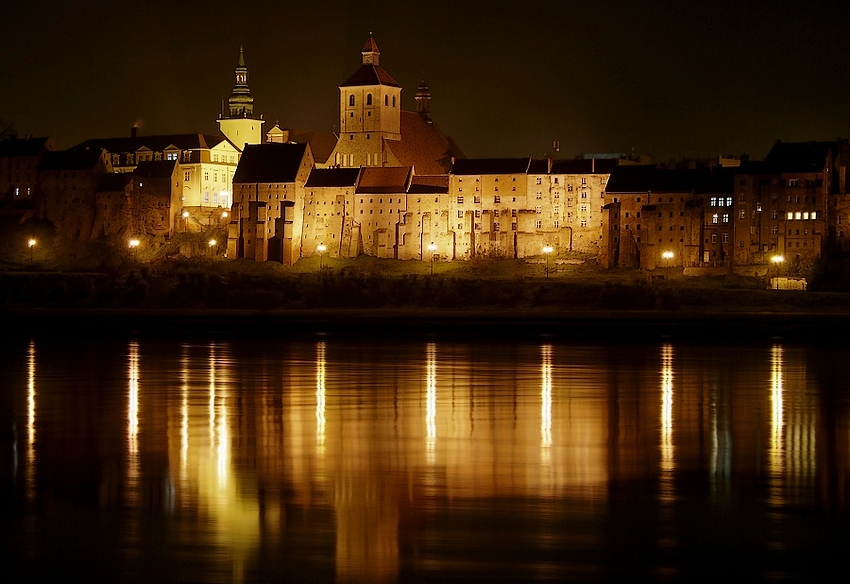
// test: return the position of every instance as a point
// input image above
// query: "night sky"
(668, 78)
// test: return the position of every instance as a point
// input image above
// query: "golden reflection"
(430, 401)
(546, 401)
(133, 401)
(320, 397)
(667, 447)
(776, 464)
(31, 419)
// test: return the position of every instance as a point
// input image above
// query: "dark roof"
(269, 163)
(538, 167)
(24, 146)
(154, 143)
(113, 182)
(383, 179)
(799, 156)
(370, 75)
(332, 177)
(423, 146)
(321, 143)
(70, 160)
(491, 166)
(647, 178)
(429, 184)
(584, 166)
(155, 168)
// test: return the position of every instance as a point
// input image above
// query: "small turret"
(423, 101)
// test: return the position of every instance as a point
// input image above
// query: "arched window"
(393, 101)
(368, 99)
(386, 100)
(351, 100)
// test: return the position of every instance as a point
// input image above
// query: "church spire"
(241, 102)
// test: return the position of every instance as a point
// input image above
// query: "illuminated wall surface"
(373, 461)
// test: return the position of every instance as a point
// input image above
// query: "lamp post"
(212, 243)
(777, 261)
(31, 244)
(432, 247)
(134, 245)
(321, 249)
(185, 221)
(548, 249)
(667, 255)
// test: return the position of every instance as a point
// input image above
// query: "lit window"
(790, 215)
(460, 200)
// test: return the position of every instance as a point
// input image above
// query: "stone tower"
(238, 122)
(369, 112)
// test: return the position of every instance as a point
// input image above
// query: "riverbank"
(483, 299)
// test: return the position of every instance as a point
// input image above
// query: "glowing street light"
(31, 244)
(134, 245)
(185, 221)
(212, 243)
(321, 249)
(432, 247)
(548, 251)
(777, 261)
(667, 255)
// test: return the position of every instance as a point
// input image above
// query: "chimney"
(134, 131)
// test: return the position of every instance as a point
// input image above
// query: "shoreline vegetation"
(486, 298)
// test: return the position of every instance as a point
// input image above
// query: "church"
(290, 197)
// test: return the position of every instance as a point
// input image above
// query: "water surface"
(328, 460)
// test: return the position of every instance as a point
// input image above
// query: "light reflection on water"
(341, 461)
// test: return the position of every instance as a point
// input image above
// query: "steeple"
(371, 53)
(423, 100)
(238, 123)
(241, 102)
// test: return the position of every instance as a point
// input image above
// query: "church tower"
(369, 112)
(238, 122)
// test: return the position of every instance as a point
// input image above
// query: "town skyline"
(655, 80)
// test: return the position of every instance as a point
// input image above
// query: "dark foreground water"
(151, 460)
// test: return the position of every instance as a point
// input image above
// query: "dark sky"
(671, 78)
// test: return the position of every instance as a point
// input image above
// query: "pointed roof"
(370, 72)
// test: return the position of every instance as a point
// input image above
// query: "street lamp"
(31, 244)
(212, 243)
(432, 247)
(777, 261)
(134, 244)
(321, 249)
(667, 255)
(547, 250)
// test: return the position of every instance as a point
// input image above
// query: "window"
(774, 230)
(726, 217)
(351, 100)
(497, 199)
(713, 238)
(557, 224)
(460, 226)
(538, 224)
(539, 195)
(386, 100)
(206, 176)
(393, 101)
(460, 199)
(792, 182)
(477, 198)
(478, 213)
(539, 180)
(186, 175)
(538, 209)
(742, 214)
(368, 99)
(584, 222)
(513, 226)
(460, 214)
(715, 218)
